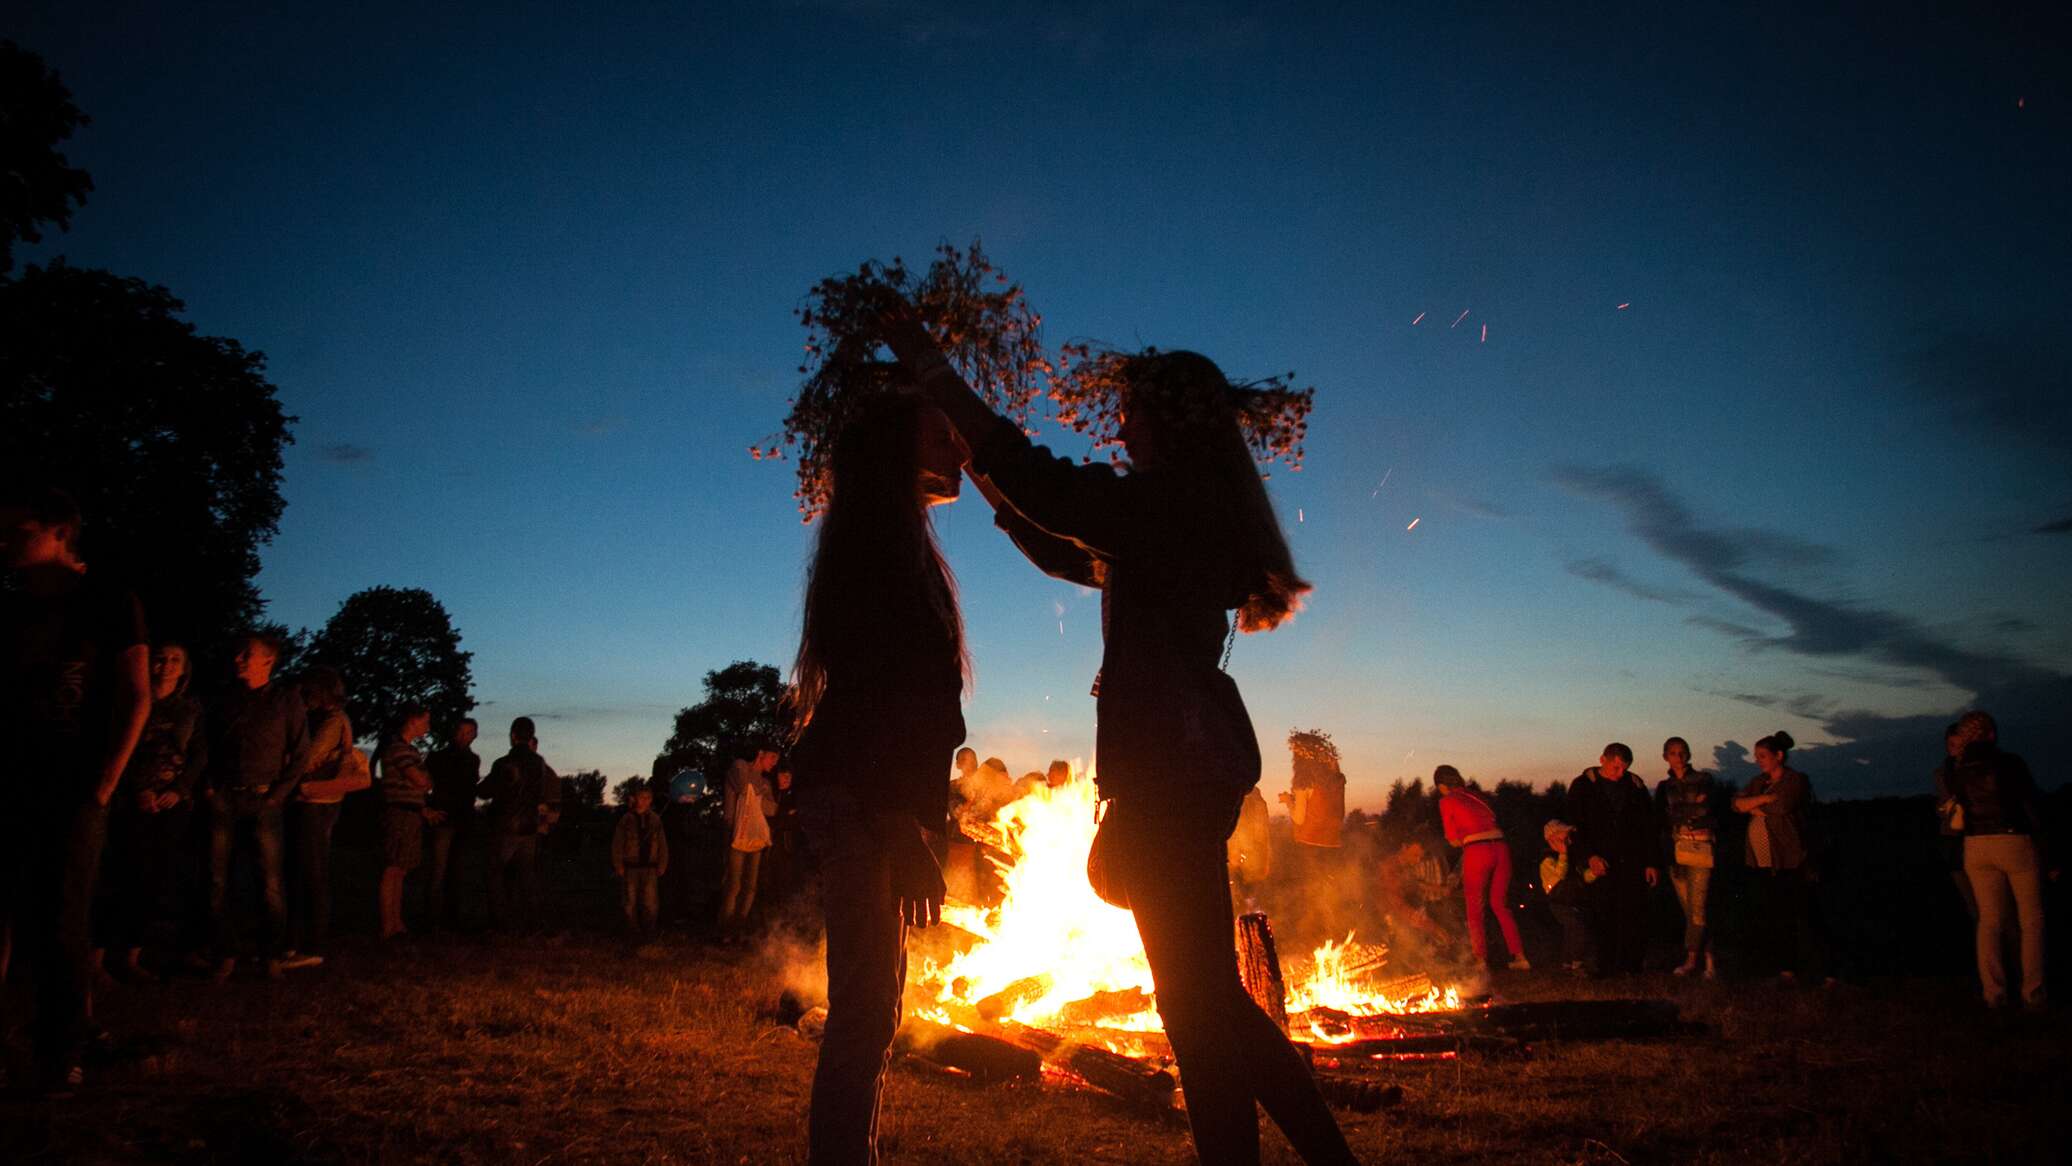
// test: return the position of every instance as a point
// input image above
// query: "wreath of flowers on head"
(985, 327)
(1313, 745)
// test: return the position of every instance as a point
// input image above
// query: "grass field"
(571, 1049)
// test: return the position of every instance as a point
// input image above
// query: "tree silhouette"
(622, 793)
(170, 440)
(395, 646)
(743, 702)
(40, 186)
(582, 791)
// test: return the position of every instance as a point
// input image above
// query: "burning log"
(1102, 1005)
(987, 1058)
(1259, 965)
(1006, 1000)
(1357, 1054)
(1125, 1077)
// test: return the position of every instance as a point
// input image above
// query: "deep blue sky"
(526, 277)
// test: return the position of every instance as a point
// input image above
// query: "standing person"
(405, 783)
(522, 791)
(75, 692)
(150, 815)
(2004, 855)
(337, 768)
(1949, 813)
(879, 678)
(258, 752)
(1187, 536)
(1687, 801)
(640, 856)
(1485, 864)
(1776, 802)
(1617, 842)
(456, 776)
(1564, 886)
(748, 803)
(780, 873)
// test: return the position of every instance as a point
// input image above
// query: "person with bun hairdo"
(1778, 857)
(1485, 863)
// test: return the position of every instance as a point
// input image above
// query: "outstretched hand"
(917, 881)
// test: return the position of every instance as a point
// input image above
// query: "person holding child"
(640, 856)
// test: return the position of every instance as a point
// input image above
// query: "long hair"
(877, 579)
(1194, 407)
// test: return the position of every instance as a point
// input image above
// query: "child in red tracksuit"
(1485, 862)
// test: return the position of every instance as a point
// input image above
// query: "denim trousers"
(866, 976)
(231, 816)
(52, 843)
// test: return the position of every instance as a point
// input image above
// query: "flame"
(1050, 923)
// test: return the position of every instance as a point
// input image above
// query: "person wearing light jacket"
(1485, 863)
(748, 803)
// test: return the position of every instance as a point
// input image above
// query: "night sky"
(1769, 427)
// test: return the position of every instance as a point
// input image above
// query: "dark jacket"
(258, 739)
(171, 754)
(519, 783)
(1168, 715)
(1785, 820)
(1996, 790)
(1614, 821)
(456, 775)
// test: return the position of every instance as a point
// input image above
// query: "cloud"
(1871, 750)
(343, 453)
(2013, 382)
(1727, 559)
(2061, 526)
(1599, 571)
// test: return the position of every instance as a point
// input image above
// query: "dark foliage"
(396, 647)
(743, 702)
(170, 440)
(38, 186)
(582, 792)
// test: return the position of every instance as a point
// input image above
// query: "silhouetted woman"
(1779, 857)
(1174, 545)
(878, 680)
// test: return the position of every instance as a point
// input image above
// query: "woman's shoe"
(1519, 964)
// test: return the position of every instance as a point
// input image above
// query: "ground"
(572, 1050)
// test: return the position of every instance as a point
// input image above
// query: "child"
(1565, 894)
(640, 855)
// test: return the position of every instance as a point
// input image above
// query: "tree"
(622, 793)
(743, 702)
(396, 646)
(170, 440)
(39, 186)
(582, 791)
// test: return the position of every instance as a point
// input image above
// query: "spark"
(1408, 756)
(1298, 514)
(1413, 524)
(1624, 306)
(1384, 481)
(1457, 319)
(1419, 320)
(1485, 333)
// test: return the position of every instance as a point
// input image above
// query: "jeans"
(1171, 856)
(1795, 933)
(50, 853)
(1485, 871)
(1576, 947)
(505, 852)
(642, 900)
(228, 812)
(314, 822)
(144, 853)
(737, 892)
(866, 976)
(1693, 885)
(2004, 867)
(441, 893)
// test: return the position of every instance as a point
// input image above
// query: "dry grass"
(572, 1051)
